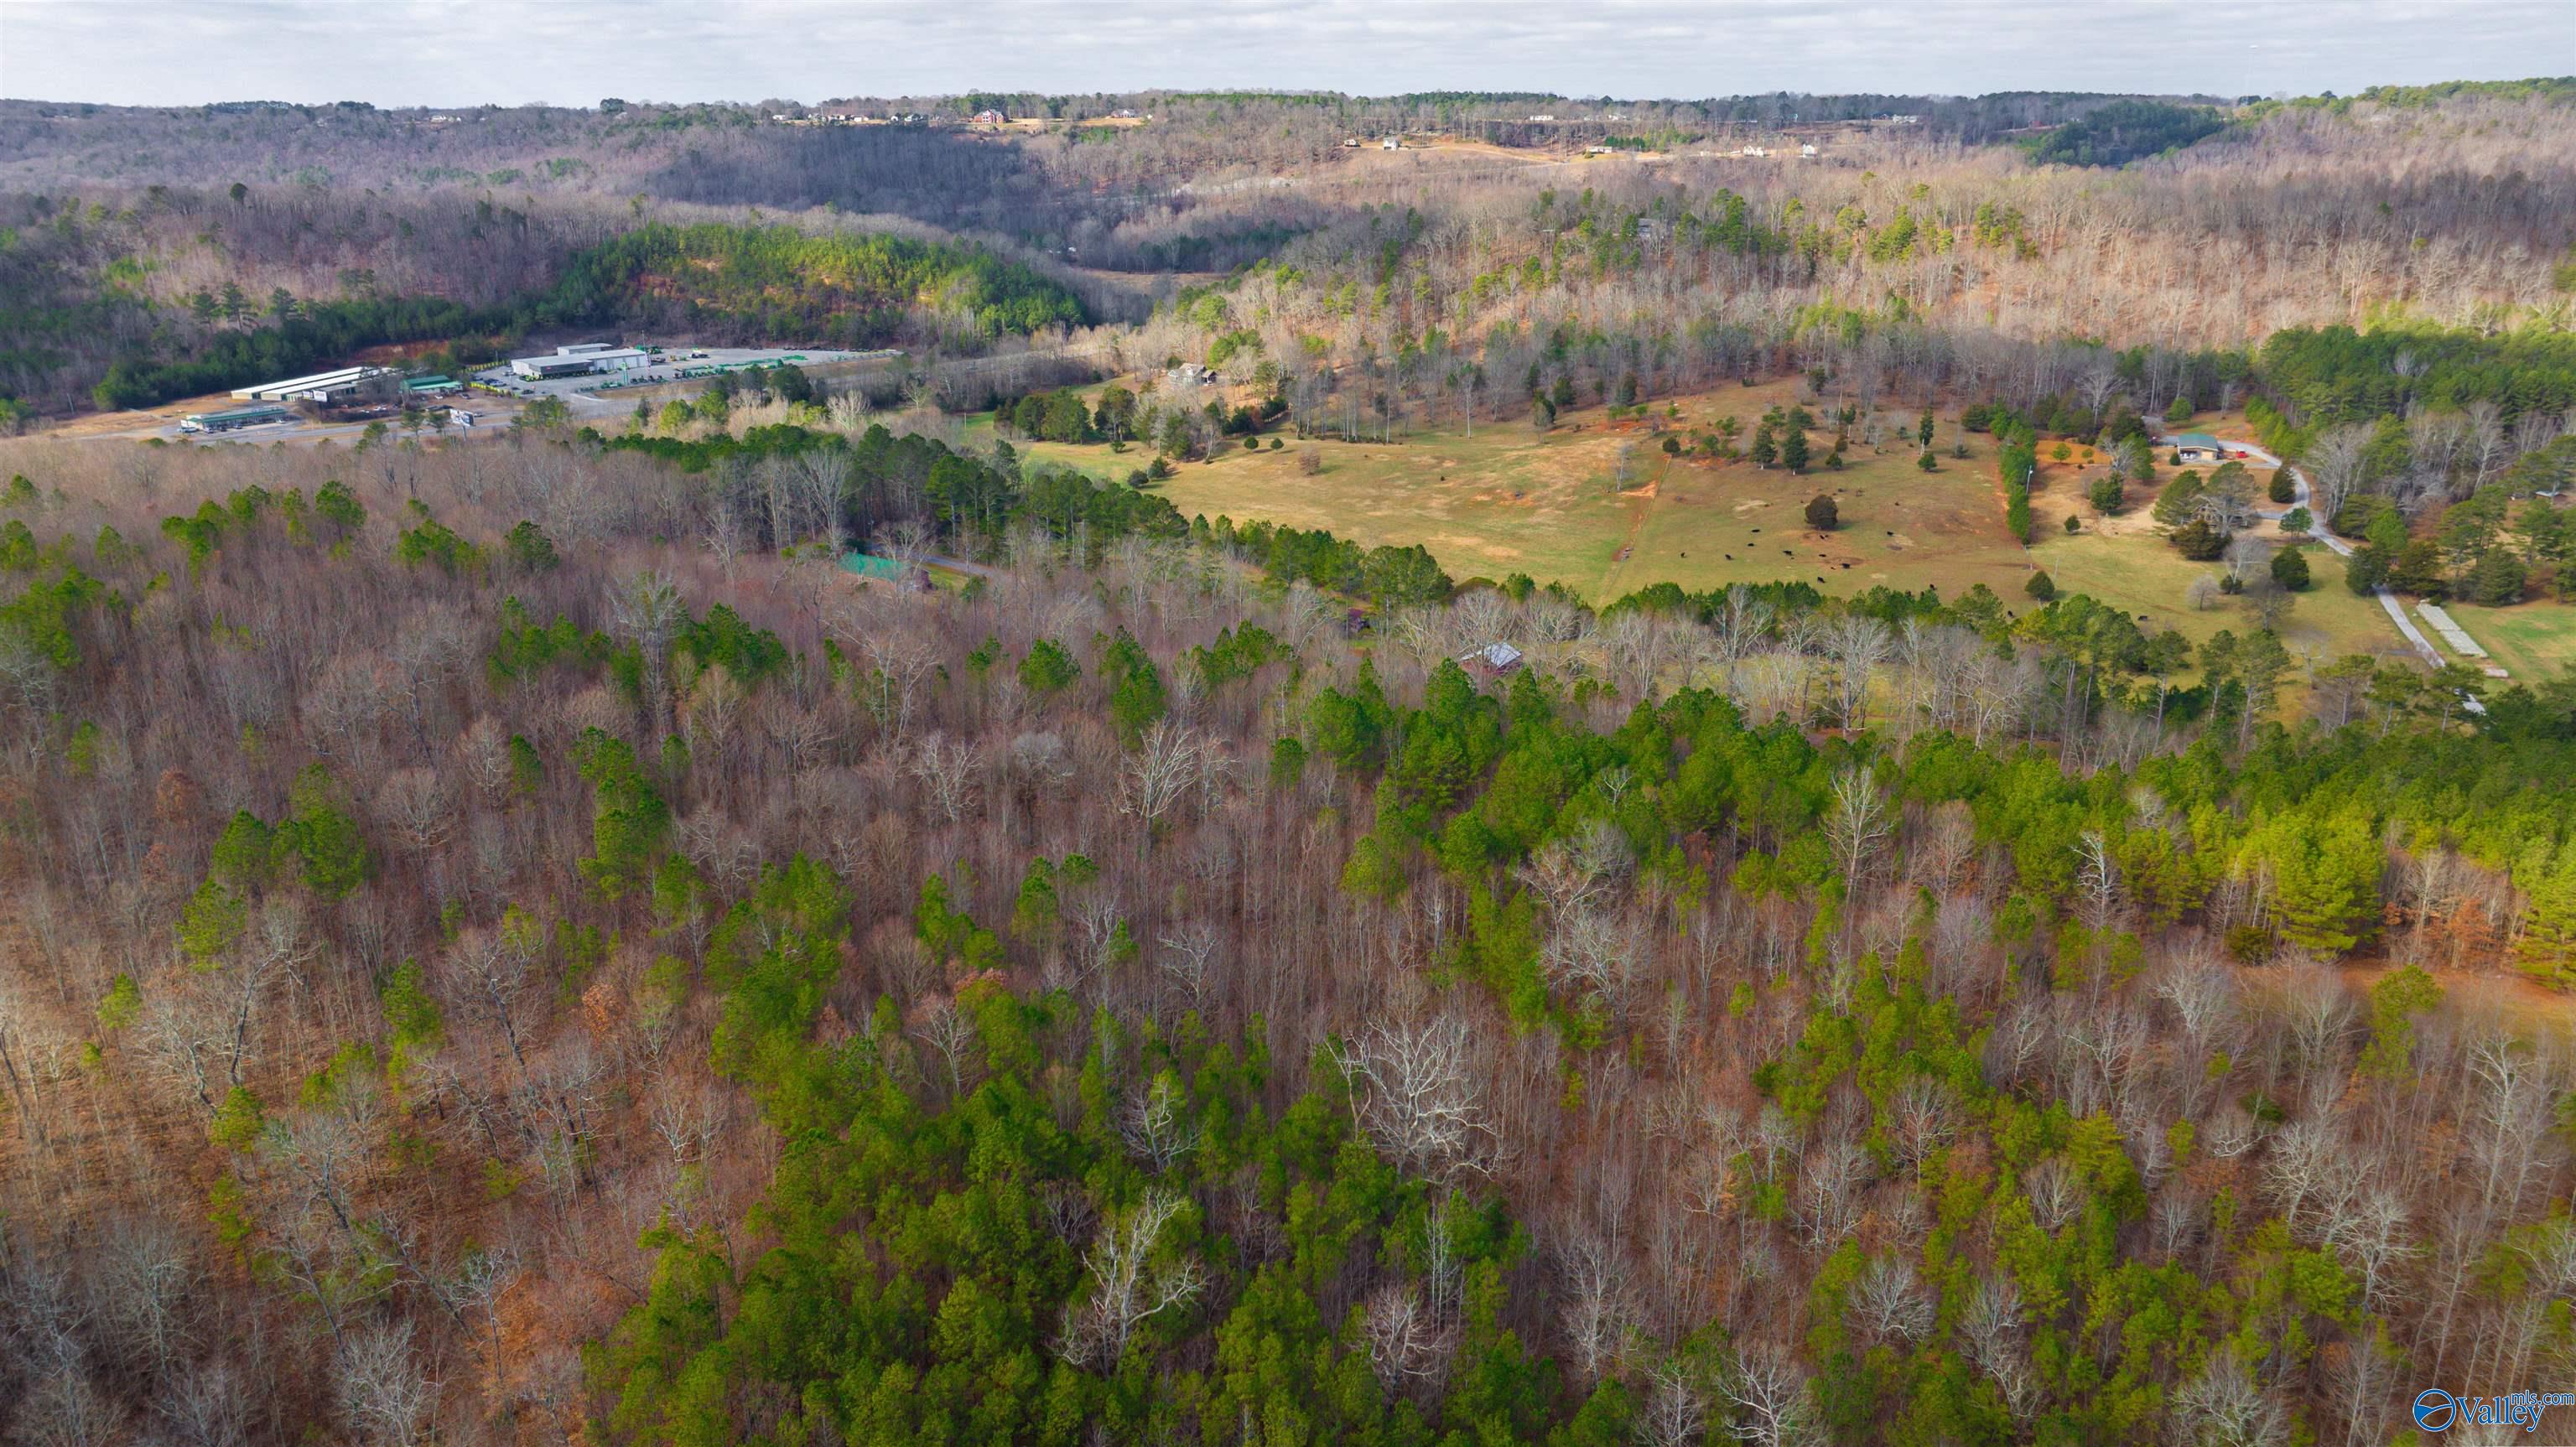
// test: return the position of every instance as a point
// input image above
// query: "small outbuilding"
(1494, 660)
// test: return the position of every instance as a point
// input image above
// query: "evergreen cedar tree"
(2290, 569)
(1822, 515)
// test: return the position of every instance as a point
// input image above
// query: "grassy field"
(2534, 641)
(2140, 574)
(1510, 500)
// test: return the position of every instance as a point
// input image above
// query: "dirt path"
(1641, 505)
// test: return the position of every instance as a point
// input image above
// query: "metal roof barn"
(318, 382)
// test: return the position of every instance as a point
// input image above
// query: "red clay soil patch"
(2515, 998)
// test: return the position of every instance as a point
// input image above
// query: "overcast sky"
(467, 52)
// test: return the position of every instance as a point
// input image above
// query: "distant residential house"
(1390, 144)
(989, 118)
(2198, 447)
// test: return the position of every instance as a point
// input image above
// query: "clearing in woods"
(1510, 500)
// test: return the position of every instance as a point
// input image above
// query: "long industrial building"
(581, 359)
(234, 420)
(319, 387)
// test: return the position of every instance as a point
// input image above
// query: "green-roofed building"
(2198, 447)
(887, 570)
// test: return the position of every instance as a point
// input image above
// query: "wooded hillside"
(501, 949)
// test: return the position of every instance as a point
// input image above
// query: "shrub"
(2283, 487)
(2180, 411)
(2298, 520)
(1822, 515)
(2198, 541)
(1310, 459)
(1926, 462)
(2074, 524)
(2042, 586)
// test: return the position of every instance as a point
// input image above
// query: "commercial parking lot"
(677, 364)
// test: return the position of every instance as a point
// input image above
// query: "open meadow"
(1598, 506)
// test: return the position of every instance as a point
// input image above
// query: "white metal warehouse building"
(319, 387)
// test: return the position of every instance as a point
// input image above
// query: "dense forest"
(778, 284)
(2122, 132)
(513, 943)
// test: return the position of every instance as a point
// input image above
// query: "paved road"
(2388, 600)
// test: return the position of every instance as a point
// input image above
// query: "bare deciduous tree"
(645, 609)
(382, 1390)
(1415, 1092)
(1160, 772)
(1768, 1395)
(947, 768)
(1857, 822)
(1130, 1283)
(1408, 1346)
(1158, 1126)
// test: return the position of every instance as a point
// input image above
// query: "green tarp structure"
(868, 567)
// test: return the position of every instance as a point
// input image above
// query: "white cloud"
(440, 52)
